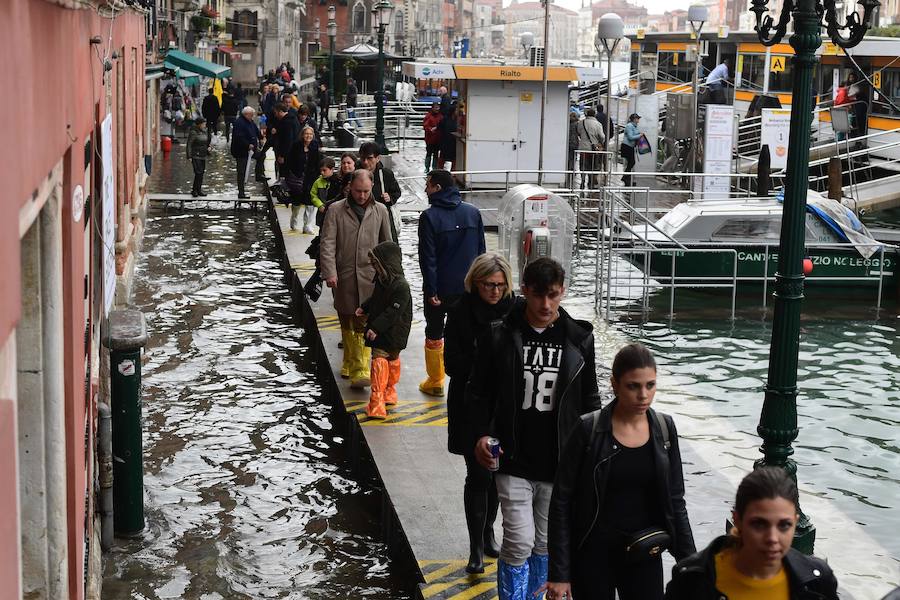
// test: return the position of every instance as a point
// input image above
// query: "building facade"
(71, 205)
(529, 16)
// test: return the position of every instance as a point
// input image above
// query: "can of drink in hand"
(494, 447)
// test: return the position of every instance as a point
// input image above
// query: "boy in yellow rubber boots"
(388, 313)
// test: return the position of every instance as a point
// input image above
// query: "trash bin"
(125, 335)
(346, 136)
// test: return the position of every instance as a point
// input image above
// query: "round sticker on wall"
(77, 203)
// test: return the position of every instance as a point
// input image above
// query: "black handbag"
(646, 543)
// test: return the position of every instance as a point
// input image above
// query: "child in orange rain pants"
(388, 315)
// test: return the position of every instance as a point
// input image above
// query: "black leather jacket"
(694, 578)
(496, 385)
(581, 482)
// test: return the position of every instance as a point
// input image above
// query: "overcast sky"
(653, 6)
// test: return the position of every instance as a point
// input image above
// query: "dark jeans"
(435, 315)
(628, 154)
(213, 125)
(199, 166)
(229, 123)
(431, 156)
(241, 173)
(600, 569)
(323, 117)
(478, 479)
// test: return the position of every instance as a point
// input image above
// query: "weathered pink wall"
(54, 78)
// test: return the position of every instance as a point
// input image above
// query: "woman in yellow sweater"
(756, 561)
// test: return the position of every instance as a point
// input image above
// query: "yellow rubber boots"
(345, 363)
(360, 355)
(434, 367)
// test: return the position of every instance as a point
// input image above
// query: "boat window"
(753, 71)
(890, 88)
(674, 68)
(744, 227)
(781, 81)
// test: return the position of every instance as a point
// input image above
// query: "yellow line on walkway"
(431, 413)
(450, 567)
(475, 591)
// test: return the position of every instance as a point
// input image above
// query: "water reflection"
(245, 494)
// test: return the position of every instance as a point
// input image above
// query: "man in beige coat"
(352, 228)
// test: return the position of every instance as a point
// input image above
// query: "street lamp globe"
(385, 12)
(332, 12)
(526, 40)
(698, 14)
(332, 28)
(610, 29)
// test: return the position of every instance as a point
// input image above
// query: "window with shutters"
(244, 26)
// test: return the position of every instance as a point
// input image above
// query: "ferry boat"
(722, 239)
(664, 62)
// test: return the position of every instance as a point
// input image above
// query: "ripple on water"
(245, 497)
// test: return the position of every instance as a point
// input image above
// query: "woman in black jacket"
(488, 298)
(618, 497)
(756, 560)
(302, 171)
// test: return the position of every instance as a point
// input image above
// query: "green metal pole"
(379, 95)
(125, 334)
(778, 420)
(331, 68)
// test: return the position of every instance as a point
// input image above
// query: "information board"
(776, 128)
(718, 141)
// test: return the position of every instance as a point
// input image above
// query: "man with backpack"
(591, 138)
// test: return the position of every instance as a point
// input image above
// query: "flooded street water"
(712, 370)
(246, 496)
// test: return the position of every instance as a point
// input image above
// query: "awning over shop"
(228, 50)
(197, 65)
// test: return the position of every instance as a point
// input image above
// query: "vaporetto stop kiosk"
(500, 117)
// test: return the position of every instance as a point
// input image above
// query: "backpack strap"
(661, 419)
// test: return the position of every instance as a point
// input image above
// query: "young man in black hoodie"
(534, 376)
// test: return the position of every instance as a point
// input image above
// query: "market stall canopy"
(197, 65)
(159, 70)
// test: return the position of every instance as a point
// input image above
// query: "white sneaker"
(309, 230)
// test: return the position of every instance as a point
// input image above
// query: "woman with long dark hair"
(488, 297)
(756, 561)
(618, 497)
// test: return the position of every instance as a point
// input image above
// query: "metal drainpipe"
(104, 458)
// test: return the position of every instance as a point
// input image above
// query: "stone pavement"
(422, 481)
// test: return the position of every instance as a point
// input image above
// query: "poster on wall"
(109, 215)
(776, 129)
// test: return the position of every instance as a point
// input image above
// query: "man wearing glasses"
(451, 235)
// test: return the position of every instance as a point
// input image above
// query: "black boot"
(475, 505)
(490, 543)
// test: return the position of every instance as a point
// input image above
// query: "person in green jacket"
(327, 187)
(388, 313)
(197, 152)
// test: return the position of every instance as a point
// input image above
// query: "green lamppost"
(332, 33)
(383, 11)
(778, 420)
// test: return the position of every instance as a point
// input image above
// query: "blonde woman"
(488, 296)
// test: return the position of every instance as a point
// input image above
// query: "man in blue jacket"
(451, 235)
(244, 141)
